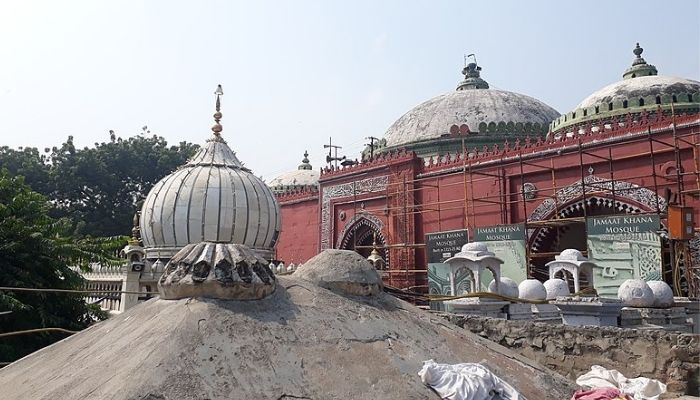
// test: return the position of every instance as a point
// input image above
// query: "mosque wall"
(409, 196)
(298, 238)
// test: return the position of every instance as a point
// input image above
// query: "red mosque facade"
(622, 163)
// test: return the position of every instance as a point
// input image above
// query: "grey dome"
(641, 87)
(303, 177)
(295, 180)
(212, 198)
(433, 118)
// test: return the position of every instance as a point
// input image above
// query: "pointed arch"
(361, 230)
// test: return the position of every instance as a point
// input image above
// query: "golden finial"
(217, 128)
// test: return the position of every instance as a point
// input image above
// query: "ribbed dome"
(211, 198)
(301, 178)
(477, 108)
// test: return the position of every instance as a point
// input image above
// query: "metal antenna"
(371, 139)
(330, 146)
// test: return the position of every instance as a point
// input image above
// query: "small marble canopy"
(572, 261)
(475, 257)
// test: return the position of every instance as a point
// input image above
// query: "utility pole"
(331, 147)
(371, 146)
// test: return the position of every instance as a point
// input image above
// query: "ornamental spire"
(305, 162)
(639, 66)
(472, 76)
(217, 128)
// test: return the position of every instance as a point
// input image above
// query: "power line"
(21, 289)
(37, 331)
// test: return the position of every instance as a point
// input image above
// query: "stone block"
(594, 311)
(478, 306)
(547, 313)
(630, 317)
(518, 312)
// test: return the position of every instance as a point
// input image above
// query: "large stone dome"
(643, 87)
(640, 90)
(213, 198)
(473, 104)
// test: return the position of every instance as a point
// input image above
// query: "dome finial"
(472, 75)
(638, 51)
(639, 65)
(305, 161)
(217, 128)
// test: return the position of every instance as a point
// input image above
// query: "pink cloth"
(600, 394)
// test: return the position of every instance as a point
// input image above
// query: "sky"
(296, 73)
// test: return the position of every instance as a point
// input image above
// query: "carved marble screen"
(439, 282)
(623, 247)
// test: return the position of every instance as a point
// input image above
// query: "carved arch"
(360, 219)
(626, 193)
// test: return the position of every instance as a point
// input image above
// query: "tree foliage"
(36, 252)
(98, 187)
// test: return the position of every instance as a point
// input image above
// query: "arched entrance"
(359, 235)
(547, 241)
(592, 196)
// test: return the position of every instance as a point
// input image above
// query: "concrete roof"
(303, 341)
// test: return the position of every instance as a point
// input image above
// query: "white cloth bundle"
(466, 382)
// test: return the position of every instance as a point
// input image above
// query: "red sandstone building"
(485, 160)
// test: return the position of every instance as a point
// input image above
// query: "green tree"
(36, 251)
(29, 163)
(98, 187)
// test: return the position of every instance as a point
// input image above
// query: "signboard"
(442, 245)
(439, 247)
(509, 243)
(500, 232)
(623, 247)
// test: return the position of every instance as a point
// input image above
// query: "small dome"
(571, 254)
(507, 287)
(342, 271)
(636, 293)
(303, 177)
(475, 246)
(474, 106)
(556, 288)
(212, 198)
(663, 295)
(532, 289)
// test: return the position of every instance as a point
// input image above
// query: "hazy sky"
(296, 72)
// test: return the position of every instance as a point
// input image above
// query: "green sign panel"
(442, 245)
(439, 247)
(622, 225)
(500, 232)
(623, 247)
(508, 242)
